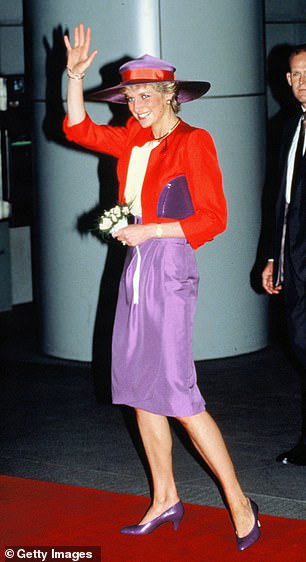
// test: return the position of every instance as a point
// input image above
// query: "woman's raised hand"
(78, 59)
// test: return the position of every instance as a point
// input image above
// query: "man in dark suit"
(285, 270)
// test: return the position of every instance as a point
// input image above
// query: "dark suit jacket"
(295, 253)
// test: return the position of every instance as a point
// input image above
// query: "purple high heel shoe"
(245, 542)
(172, 515)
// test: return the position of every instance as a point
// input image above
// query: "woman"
(168, 172)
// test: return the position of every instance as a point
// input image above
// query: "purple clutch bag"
(175, 201)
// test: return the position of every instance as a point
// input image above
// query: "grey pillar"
(221, 42)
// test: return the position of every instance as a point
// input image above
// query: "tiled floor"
(54, 429)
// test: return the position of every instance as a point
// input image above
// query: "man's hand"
(267, 280)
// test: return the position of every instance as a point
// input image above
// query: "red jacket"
(187, 151)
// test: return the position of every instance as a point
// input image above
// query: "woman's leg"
(207, 439)
(157, 440)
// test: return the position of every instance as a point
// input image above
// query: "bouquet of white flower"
(113, 220)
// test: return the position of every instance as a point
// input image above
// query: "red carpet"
(40, 513)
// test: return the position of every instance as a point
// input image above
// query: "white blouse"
(136, 172)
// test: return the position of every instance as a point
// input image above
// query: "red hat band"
(147, 74)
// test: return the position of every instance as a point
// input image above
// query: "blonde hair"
(162, 88)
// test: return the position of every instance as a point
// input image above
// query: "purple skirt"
(152, 364)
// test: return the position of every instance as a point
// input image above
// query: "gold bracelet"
(159, 231)
(74, 75)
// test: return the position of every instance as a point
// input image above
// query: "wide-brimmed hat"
(147, 70)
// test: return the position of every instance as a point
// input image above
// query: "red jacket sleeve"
(100, 138)
(205, 183)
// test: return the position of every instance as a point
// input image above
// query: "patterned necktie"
(297, 162)
(298, 154)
